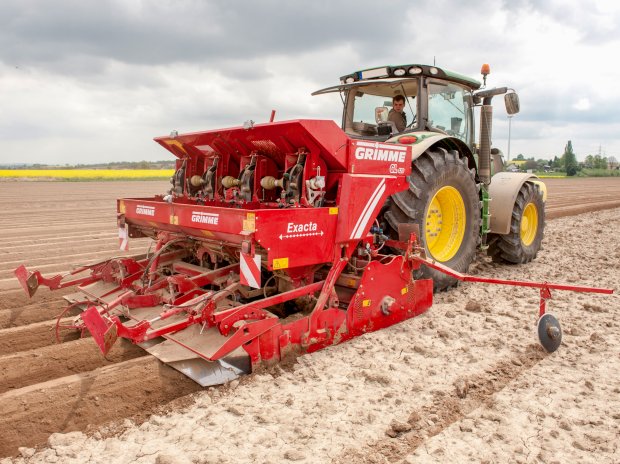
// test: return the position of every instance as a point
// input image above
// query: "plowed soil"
(465, 382)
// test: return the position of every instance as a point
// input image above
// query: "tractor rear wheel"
(443, 201)
(527, 228)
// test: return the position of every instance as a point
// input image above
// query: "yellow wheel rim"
(529, 224)
(445, 224)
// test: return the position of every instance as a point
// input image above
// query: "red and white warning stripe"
(362, 221)
(123, 239)
(250, 270)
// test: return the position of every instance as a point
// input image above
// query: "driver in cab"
(397, 114)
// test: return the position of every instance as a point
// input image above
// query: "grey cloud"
(134, 70)
(548, 105)
(587, 18)
(183, 31)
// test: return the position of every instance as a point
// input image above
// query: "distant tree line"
(568, 163)
(600, 162)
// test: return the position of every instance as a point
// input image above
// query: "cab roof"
(409, 70)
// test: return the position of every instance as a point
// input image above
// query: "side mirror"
(381, 114)
(511, 100)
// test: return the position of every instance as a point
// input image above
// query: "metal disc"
(549, 332)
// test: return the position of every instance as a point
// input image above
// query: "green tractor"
(459, 195)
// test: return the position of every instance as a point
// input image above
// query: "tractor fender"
(426, 139)
(503, 191)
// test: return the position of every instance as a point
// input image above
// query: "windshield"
(369, 105)
(448, 109)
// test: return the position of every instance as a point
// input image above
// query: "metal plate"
(149, 313)
(208, 373)
(98, 289)
(173, 352)
(549, 332)
(405, 231)
(170, 352)
(74, 297)
(150, 343)
(206, 342)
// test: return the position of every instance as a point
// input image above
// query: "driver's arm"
(397, 119)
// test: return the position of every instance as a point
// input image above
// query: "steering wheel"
(410, 125)
(430, 128)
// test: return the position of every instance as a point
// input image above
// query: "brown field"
(389, 396)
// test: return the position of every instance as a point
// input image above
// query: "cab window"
(448, 109)
(363, 102)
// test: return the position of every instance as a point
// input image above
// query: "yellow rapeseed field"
(86, 173)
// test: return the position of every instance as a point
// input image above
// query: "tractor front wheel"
(523, 241)
(442, 200)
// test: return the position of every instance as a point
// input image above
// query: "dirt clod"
(564, 425)
(294, 455)
(594, 308)
(462, 387)
(400, 427)
(467, 425)
(473, 306)
(414, 418)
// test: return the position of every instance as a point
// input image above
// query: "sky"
(86, 81)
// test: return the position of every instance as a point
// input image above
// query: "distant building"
(518, 163)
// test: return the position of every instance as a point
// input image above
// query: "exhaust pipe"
(484, 151)
(486, 121)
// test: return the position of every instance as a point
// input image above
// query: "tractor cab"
(435, 100)
(451, 181)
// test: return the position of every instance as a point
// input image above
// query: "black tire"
(432, 171)
(511, 248)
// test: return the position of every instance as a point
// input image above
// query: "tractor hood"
(274, 140)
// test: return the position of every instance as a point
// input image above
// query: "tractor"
(283, 238)
(458, 194)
